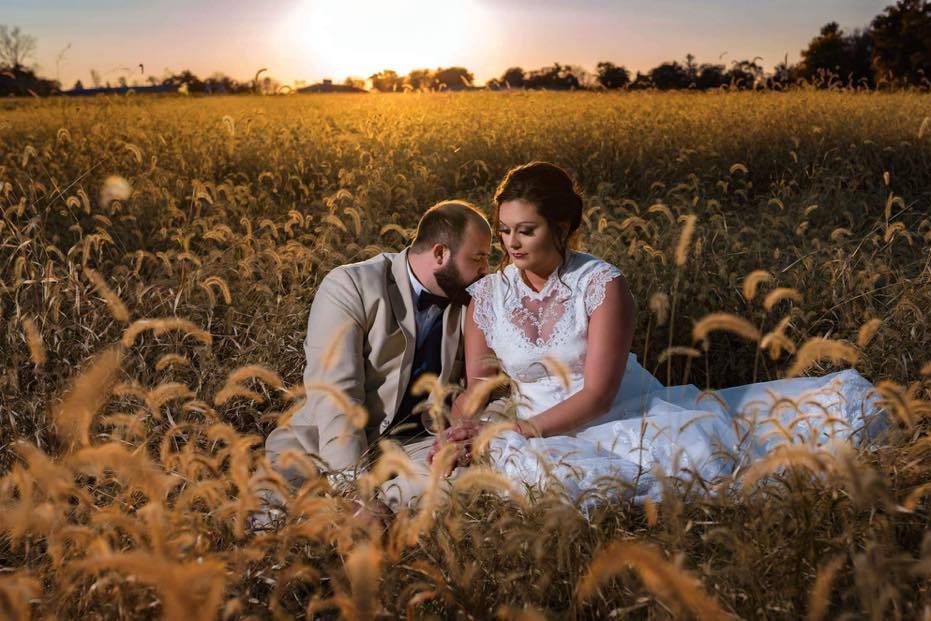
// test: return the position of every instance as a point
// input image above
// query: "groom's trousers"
(405, 491)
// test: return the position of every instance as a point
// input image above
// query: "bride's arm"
(477, 357)
(610, 333)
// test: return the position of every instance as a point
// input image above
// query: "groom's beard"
(454, 286)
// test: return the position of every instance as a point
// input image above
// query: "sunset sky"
(314, 39)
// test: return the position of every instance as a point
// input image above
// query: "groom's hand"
(464, 430)
(462, 457)
(462, 433)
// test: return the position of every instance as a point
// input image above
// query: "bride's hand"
(464, 430)
(462, 434)
(463, 456)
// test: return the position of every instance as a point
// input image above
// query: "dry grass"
(158, 258)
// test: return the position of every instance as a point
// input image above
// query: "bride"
(560, 324)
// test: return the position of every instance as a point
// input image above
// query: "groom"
(395, 316)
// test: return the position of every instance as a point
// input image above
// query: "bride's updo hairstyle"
(551, 190)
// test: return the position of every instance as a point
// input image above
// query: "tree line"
(894, 50)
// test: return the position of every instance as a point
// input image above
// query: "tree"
(744, 74)
(585, 78)
(641, 82)
(901, 38)
(669, 76)
(784, 74)
(386, 81)
(15, 47)
(219, 82)
(824, 53)
(420, 79)
(358, 83)
(453, 78)
(20, 81)
(691, 69)
(612, 76)
(859, 49)
(95, 78)
(710, 76)
(186, 80)
(555, 77)
(78, 86)
(834, 54)
(513, 78)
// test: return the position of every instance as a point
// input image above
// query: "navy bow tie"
(426, 299)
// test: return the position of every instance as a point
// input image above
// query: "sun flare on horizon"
(339, 38)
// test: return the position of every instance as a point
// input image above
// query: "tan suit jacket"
(369, 307)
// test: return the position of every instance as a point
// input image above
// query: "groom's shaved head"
(445, 223)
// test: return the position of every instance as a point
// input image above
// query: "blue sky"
(312, 39)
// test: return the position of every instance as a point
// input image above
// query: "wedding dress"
(651, 431)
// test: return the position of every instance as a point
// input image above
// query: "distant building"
(121, 90)
(327, 86)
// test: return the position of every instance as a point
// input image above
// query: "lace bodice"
(525, 327)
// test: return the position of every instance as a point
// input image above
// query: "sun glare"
(336, 38)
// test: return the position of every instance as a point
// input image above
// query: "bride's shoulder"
(593, 276)
(484, 285)
(588, 266)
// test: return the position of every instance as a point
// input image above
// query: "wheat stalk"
(114, 303)
(482, 478)
(819, 348)
(88, 392)
(781, 293)
(659, 304)
(172, 359)
(866, 332)
(726, 322)
(480, 392)
(819, 599)
(160, 326)
(753, 280)
(675, 587)
(34, 340)
(355, 413)
(685, 239)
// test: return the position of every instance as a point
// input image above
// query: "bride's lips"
(518, 255)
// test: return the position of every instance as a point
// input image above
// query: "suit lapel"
(402, 305)
(452, 329)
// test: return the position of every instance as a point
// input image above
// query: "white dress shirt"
(423, 318)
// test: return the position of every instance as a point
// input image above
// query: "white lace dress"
(651, 431)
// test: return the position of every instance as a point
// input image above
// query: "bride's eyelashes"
(528, 232)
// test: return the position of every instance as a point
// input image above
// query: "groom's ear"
(439, 253)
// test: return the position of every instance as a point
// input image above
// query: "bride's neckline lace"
(517, 321)
(552, 281)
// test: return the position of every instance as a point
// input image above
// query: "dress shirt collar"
(416, 287)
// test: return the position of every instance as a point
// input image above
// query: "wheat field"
(158, 258)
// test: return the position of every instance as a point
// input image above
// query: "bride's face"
(527, 237)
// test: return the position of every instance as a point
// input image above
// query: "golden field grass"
(158, 258)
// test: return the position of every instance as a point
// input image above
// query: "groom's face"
(466, 265)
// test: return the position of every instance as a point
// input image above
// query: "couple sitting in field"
(558, 323)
